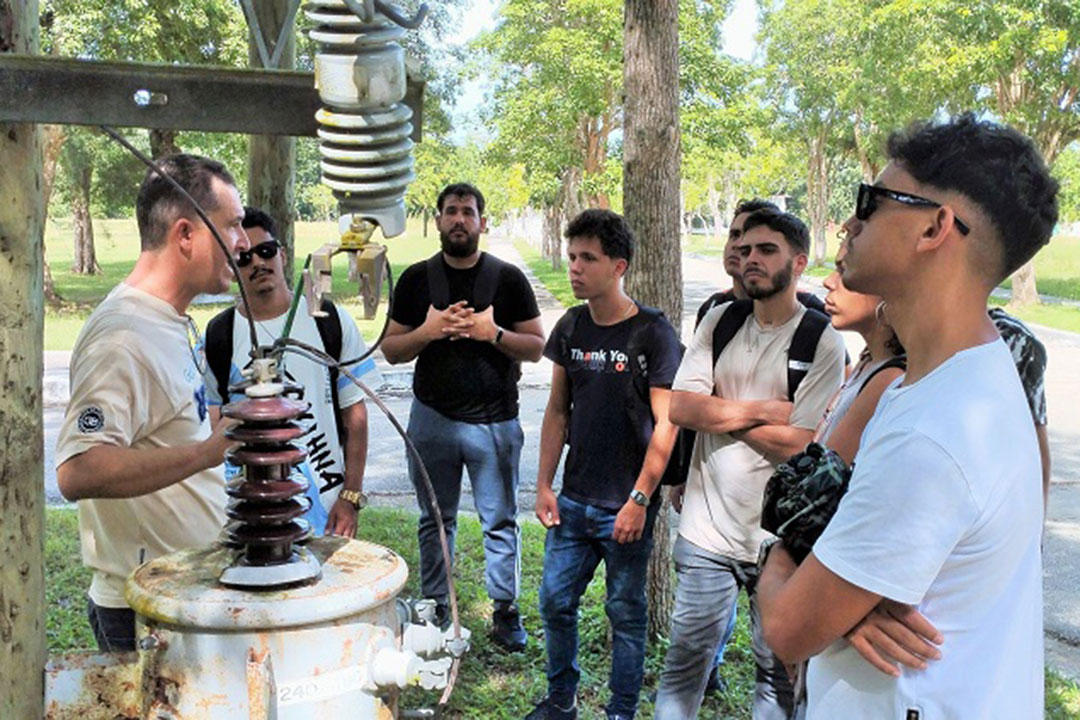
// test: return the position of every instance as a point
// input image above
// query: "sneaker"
(506, 629)
(715, 682)
(546, 709)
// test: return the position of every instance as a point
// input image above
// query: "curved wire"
(202, 216)
(317, 355)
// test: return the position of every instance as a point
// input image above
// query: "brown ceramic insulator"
(270, 513)
(263, 456)
(268, 496)
(273, 490)
(268, 544)
(264, 435)
(265, 410)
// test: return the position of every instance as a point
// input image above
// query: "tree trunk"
(52, 142)
(651, 199)
(426, 217)
(817, 196)
(85, 262)
(1024, 291)
(22, 485)
(272, 158)
(163, 143)
(552, 237)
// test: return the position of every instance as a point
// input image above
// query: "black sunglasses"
(264, 250)
(866, 203)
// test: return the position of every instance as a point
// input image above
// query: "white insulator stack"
(364, 125)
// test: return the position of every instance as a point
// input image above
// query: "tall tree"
(811, 56)
(558, 65)
(651, 196)
(1021, 59)
(22, 495)
(77, 166)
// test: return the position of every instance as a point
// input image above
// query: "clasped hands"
(460, 322)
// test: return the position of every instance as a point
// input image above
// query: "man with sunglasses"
(136, 448)
(337, 444)
(940, 517)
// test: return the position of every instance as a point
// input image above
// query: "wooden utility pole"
(22, 495)
(272, 158)
(651, 199)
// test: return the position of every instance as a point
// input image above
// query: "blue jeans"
(718, 659)
(491, 453)
(114, 628)
(572, 551)
(704, 601)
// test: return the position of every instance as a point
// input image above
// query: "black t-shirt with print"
(607, 436)
(466, 380)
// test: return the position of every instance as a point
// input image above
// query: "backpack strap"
(487, 281)
(484, 287)
(330, 333)
(715, 299)
(728, 324)
(803, 347)
(219, 349)
(635, 350)
(900, 361)
(438, 285)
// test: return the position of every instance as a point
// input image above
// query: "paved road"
(387, 484)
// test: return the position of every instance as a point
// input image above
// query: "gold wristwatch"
(354, 497)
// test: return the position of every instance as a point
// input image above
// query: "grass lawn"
(117, 241)
(491, 684)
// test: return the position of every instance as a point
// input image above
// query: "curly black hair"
(792, 228)
(609, 228)
(997, 168)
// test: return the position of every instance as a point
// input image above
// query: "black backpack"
(803, 343)
(219, 348)
(800, 358)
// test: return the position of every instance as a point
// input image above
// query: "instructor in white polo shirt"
(136, 449)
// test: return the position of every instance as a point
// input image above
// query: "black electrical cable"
(313, 353)
(202, 215)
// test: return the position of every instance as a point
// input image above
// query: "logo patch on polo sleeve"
(91, 420)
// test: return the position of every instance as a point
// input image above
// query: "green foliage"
(558, 70)
(1067, 171)
(66, 582)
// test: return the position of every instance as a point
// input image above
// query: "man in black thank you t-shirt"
(469, 319)
(614, 361)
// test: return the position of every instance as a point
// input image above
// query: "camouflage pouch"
(802, 496)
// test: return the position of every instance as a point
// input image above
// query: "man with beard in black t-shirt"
(614, 361)
(469, 319)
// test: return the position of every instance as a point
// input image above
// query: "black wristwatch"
(498, 335)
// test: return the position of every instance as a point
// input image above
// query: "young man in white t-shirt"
(136, 449)
(747, 423)
(940, 517)
(334, 467)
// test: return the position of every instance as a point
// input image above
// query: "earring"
(879, 313)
